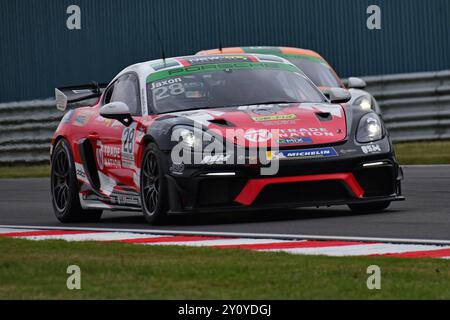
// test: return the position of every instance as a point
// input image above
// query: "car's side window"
(108, 94)
(126, 90)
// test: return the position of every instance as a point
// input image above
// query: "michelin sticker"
(302, 154)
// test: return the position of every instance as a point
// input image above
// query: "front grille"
(376, 181)
(219, 191)
(297, 192)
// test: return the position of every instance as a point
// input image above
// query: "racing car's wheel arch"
(64, 186)
(153, 184)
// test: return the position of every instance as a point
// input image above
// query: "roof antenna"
(161, 43)
(219, 31)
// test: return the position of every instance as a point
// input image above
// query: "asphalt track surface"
(424, 215)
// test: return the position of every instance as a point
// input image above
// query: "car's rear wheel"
(153, 185)
(64, 187)
(369, 207)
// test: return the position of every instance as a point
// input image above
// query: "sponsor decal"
(219, 158)
(371, 148)
(302, 153)
(219, 59)
(123, 199)
(260, 135)
(164, 83)
(275, 117)
(305, 132)
(67, 116)
(231, 65)
(108, 156)
(110, 123)
(81, 174)
(177, 168)
(81, 119)
(279, 123)
(263, 109)
(295, 140)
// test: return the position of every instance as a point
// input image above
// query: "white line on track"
(360, 249)
(101, 236)
(240, 235)
(12, 230)
(218, 242)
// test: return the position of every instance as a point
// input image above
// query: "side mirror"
(339, 95)
(325, 91)
(356, 83)
(118, 111)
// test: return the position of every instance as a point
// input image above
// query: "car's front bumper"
(351, 178)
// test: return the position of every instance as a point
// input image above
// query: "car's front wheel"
(64, 187)
(369, 207)
(153, 185)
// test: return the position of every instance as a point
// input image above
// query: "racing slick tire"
(64, 187)
(153, 185)
(369, 207)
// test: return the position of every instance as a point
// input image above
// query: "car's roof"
(148, 67)
(277, 51)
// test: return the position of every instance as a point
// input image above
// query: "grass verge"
(430, 152)
(37, 270)
(25, 171)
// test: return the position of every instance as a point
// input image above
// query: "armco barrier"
(26, 129)
(415, 106)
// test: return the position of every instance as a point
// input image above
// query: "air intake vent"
(222, 122)
(324, 116)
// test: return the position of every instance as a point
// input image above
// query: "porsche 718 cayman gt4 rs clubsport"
(216, 133)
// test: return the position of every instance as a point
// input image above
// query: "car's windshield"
(227, 86)
(319, 73)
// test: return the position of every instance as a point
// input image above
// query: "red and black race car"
(216, 133)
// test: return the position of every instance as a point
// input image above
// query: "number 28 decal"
(128, 135)
(171, 90)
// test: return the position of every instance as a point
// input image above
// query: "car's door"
(116, 143)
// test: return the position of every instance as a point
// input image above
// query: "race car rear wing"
(67, 95)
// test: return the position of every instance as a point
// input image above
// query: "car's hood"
(287, 124)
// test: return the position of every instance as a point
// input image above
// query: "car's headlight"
(188, 138)
(191, 137)
(364, 102)
(369, 128)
